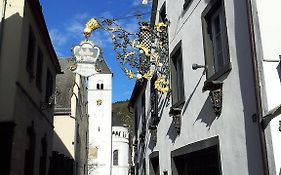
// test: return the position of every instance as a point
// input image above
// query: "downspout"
(2, 25)
(257, 85)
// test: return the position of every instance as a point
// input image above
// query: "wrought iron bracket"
(216, 99)
(153, 136)
(215, 88)
(142, 136)
(154, 120)
(176, 114)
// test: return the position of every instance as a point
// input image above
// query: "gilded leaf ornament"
(162, 85)
(142, 54)
(91, 25)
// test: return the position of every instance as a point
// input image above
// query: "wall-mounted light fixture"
(197, 66)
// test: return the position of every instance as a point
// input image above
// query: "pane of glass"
(180, 79)
(217, 24)
(219, 61)
(218, 42)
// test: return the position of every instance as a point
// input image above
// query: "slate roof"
(64, 85)
(102, 64)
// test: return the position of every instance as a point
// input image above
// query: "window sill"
(175, 112)
(212, 82)
(212, 85)
(176, 108)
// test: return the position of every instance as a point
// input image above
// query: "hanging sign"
(86, 55)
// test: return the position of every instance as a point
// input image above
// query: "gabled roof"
(103, 66)
(138, 89)
(64, 85)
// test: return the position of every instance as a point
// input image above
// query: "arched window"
(100, 85)
(115, 157)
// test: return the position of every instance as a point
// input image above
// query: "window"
(186, 4)
(30, 151)
(154, 164)
(30, 53)
(153, 97)
(49, 86)
(77, 133)
(100, 86)
(200, 158)
(144, 166)
(86, 145)
(39, 69)
(43, 158)
(177, 77)
(154, 104)
(199, 162)
(215, 40)
(163, 14)
(84, 168)
(115, 157)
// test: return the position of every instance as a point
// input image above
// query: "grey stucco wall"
(239, 141)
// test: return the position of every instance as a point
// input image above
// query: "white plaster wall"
(120, 143)
(79, 113)
(273, 92)
(268, 13)
(2, 2)
(65, 130)
(100, 121)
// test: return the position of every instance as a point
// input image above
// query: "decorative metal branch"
(141, 54)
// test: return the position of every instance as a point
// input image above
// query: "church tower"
(100, 121)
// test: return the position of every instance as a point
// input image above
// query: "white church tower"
(100, 121)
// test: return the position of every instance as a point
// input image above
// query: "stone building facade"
(224, 70)
(28, 68)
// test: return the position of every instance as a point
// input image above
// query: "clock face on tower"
(99, 102)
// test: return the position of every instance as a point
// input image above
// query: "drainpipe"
(2, 25)
(257, 77)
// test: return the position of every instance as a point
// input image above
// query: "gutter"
(257, 78)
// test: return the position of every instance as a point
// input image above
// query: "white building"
(70, 140)
(99, 109)
(214, 120)
(268, 43)
(120, 150)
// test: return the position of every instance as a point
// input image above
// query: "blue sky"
(66, 19)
